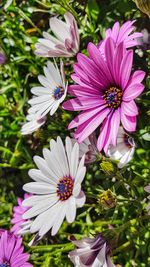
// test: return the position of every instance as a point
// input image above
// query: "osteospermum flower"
(122, 34)
(47, 97)
(66, 42)
(57, 187)
(147, 189)
(91, 252)
(105, 93)
(124, 150)
(20, 226)
(33, 123)
(11, 251)
(88, 147)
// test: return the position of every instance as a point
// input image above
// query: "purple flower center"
(113, 97)
(65, 188)
(58, 92)
(5, 264)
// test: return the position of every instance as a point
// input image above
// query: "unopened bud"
(107, 167)
(107, 199)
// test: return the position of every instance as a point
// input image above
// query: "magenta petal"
(115, 31)
(84, 116)
(129, 123)
(115, 123)
(80, 91)
(82, 103)
(129, 108)
(125, 69)
(85, 129)
(104, 136)
(137, 77)
(132, 92)
(98, 59)
(109, 54)
(120, 51)
(91, 69)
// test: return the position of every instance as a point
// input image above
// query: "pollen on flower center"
(65, 188)
(58, 92)
(113, 97)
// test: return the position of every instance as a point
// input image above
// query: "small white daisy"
(66, 40)
(124, 150)
(47, 97)
(57, 187)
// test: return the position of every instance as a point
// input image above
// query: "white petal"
(60, 29)
(80, 175)
(59, 220)
(76, 190)
(74, 160)
(71, 209)
(40, 207)
(39, 188)
(54, 108)
(38, 176)
(80, 200)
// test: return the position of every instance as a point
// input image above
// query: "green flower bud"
(107, 199)
(144, 6)
(107, 167)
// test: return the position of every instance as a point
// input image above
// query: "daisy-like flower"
(88, 147)
(33, 123)
(20, 226)
(57, 187)
(47, 97)
(11, 251)
(124, 150)
(147, 189)
(105, 93)
(91, 252)
(122, 34)
(66, 42)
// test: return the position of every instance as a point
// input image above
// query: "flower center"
(128, 141)
(5, 264)
(65, 188)
(113, 97)
(58, 92)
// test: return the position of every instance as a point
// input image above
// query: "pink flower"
(11, 251)
(20, 225)
(122, 34)
(105, 93)
(91, 252)
(66, 42)
(147, 189)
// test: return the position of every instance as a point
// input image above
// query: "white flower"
(57, 187)
(34, 122)
(47, 97)
(124, 149)
(89, 148)
(91, 252)
(66, 42)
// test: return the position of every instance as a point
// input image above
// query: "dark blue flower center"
(113, 97)
(58, 92)
(5, 264)
(65, 188)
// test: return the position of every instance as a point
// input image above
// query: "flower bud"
(144, 6)
(107, 167)
(107, 199)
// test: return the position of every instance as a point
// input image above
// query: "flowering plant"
(74, 134)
